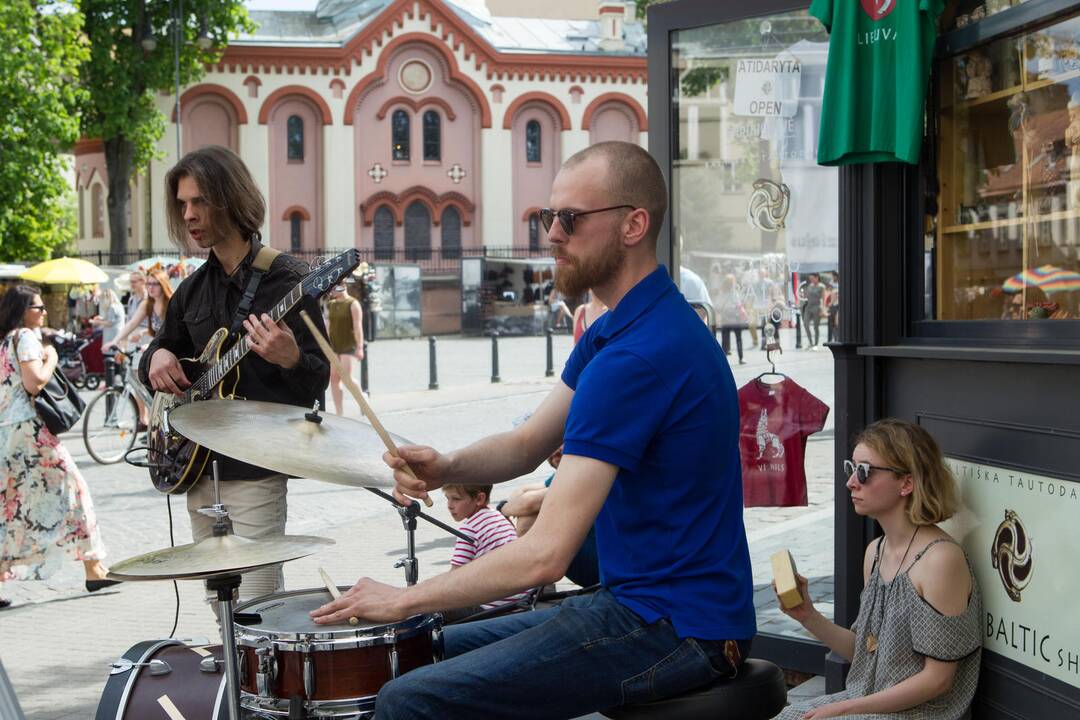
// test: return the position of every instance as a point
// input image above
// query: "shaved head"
(632, 178)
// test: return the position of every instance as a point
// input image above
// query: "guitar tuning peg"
(318, 262)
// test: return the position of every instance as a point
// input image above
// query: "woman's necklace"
(871, 638)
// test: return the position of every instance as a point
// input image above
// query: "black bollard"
(495, 357)
(363, 370)
(550, 370)
(433, 371)
(798, 330)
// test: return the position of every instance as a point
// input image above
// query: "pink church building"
(416, 130)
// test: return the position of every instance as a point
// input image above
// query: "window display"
(1008, 229)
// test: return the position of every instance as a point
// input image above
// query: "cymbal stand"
(226, 587)
(409, 513)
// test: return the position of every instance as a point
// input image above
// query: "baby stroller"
(69, 353)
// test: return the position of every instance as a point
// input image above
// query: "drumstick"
(335, 593)
(347, 380)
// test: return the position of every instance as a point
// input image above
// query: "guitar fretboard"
(236, 353)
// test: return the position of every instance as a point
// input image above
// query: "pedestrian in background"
(345, 326)
(732, 316)
(45, 505)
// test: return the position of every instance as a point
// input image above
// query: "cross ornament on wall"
(456, 173)
(377, 172)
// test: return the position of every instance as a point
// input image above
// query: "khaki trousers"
(257, 508)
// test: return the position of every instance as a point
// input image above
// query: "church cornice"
(455, 32)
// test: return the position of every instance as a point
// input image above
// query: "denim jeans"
(589, 654)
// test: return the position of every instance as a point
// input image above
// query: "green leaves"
(39, 100)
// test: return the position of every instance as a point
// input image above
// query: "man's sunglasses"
(567, 217)
(862, 470)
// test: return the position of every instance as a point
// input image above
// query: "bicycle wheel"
(110, 425)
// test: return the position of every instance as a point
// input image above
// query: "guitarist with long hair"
(213, 203)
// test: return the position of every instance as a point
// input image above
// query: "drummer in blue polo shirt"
(648, 412)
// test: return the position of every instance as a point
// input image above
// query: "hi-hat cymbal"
(224, 555)
(279, 438)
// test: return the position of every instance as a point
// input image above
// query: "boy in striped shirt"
(489, 529)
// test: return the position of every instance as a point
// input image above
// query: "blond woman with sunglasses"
(916, 643)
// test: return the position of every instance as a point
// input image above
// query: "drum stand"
(226, 587)
(408, 514)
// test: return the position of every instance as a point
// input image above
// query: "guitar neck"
(225, 364)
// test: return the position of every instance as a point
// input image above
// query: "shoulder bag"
(58, 404)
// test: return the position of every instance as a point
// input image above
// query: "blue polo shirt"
(654, 395)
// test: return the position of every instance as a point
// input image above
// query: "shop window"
(295, 237)
(532, 141)
(534, 232)
(417, 232)
(757, 230)
(432, 136)
(1007, 241)
(399, 124)
(451, 233)
(294, 129)
(384, 234)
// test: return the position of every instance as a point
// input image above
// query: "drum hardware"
(157, 667)
(210, 665)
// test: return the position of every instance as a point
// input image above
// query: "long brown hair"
(162, 279)
(904, 446)
(225, 185)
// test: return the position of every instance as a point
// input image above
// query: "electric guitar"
(177, 463)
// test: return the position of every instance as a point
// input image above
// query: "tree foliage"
(121, 76)
(42, 51)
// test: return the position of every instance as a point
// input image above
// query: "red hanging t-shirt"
(775, 420)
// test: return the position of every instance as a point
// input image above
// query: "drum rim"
(341, 707)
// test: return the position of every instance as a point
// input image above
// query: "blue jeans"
(588, 654)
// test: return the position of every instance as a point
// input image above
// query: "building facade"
(413, 129)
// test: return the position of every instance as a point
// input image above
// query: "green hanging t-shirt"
(875, 83)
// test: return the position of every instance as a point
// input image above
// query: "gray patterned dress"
(908, 629)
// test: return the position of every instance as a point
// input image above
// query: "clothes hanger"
(769, 349)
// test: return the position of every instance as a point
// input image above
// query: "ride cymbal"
(229, 554)
(279, 437)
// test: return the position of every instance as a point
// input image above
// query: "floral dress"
(45, 506)
(908, 630)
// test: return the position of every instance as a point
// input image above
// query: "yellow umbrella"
(65, 271)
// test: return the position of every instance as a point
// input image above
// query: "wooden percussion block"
(787, 588)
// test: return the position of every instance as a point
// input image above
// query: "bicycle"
(111, 420)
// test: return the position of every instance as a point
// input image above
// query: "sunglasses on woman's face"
(862, 470)
(567, 217)
(40, 308)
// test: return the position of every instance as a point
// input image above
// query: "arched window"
(97, 211)
(534, 231)
(399, 134)
(294, 136)
(295, 239)
(451, 233)
(384, 234)
(432, 136)
(417, 232)
(532, 141)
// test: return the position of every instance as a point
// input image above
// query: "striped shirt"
(489, 530)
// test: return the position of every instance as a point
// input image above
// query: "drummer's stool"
(758, 692)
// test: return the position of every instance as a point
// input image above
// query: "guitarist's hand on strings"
(274, 343)
(165, 373)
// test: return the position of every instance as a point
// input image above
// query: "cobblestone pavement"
(57, 640)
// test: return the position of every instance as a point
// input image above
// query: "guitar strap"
(263, 260)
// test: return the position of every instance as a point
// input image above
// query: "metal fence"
(432, 261)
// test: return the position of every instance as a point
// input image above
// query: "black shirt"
(207, 300)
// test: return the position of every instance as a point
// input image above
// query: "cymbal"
(224, 555)
(279, 438)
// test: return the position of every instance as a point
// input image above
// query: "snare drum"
(191, 685)
(334, 671)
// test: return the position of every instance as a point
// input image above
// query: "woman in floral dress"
(916, 644)
(45, 506)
